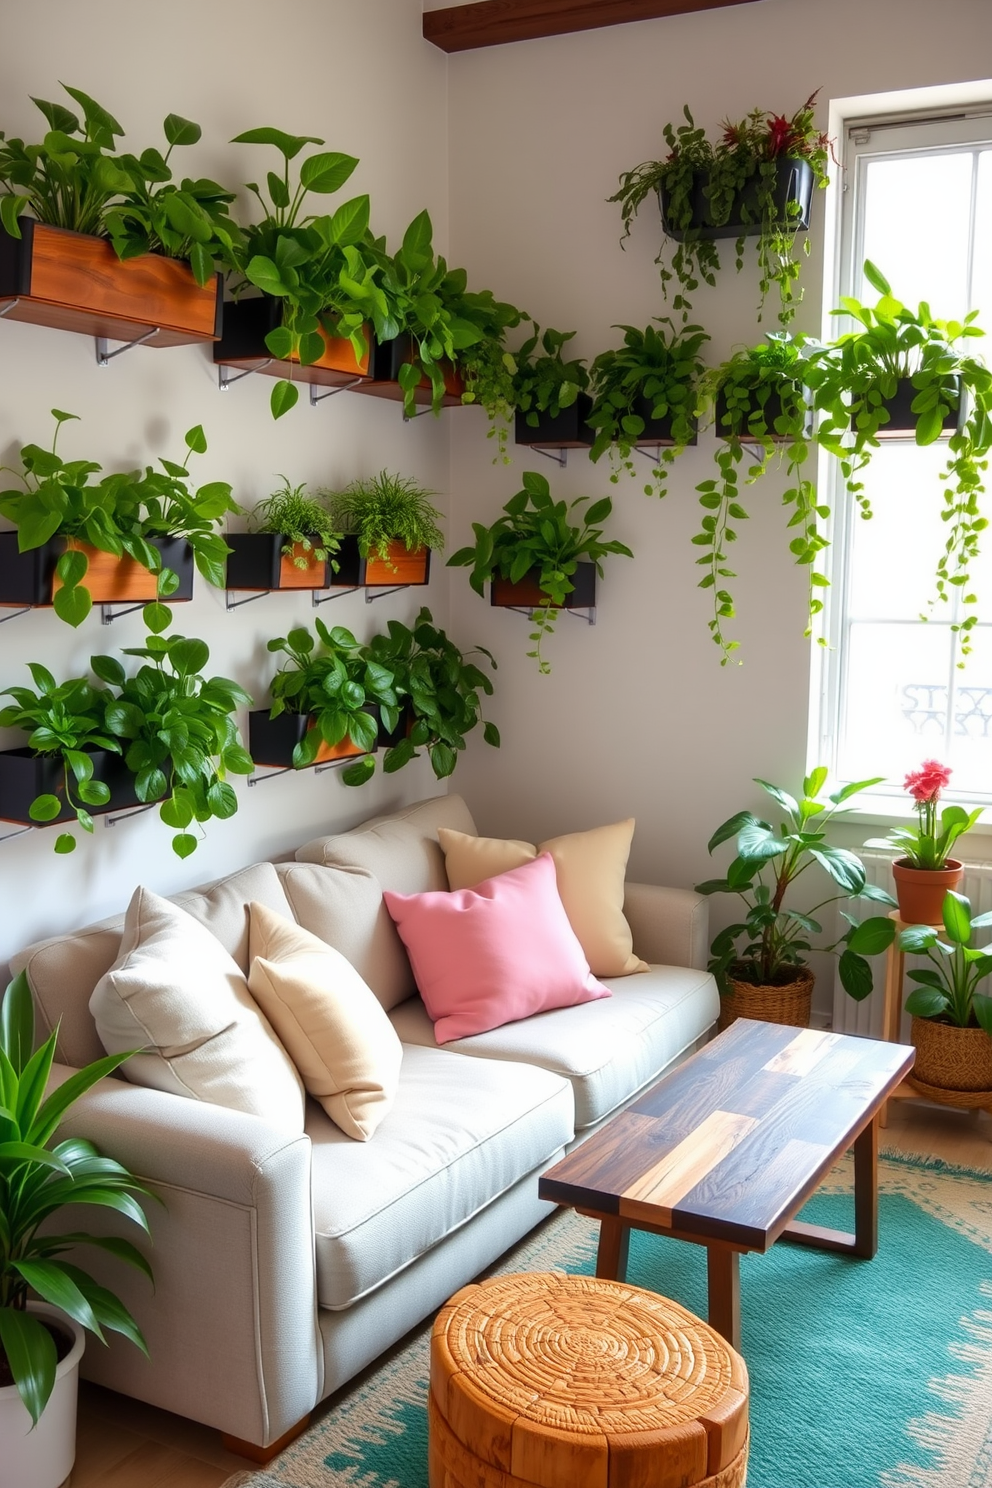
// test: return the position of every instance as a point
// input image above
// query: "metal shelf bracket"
(15, 614)
(381, 592)
(337, 594)
(560, 456)
(108, 614)
(19, 833)
(588, 614)
(343, 387)
(235, 604)
(117, 816)
(225, 380)
(11, 305)
(105, 357)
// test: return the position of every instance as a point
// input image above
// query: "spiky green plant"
(385, 508)
(302, 520)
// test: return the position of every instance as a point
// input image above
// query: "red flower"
(782, 135)
(926, 783)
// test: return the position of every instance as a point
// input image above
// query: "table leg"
(866, 1191)
(723, 1273)
(614, 1244)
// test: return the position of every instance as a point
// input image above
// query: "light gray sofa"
(283, 1265)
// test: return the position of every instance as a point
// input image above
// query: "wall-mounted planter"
(387, 359)
(902, 419)
(770, 412)
(656, 430)
(526, 592)
(565, 430)
(271, 741)
(24, 775)
(794, 184)
(73, 282)
(30, 579)
(401, 567)
(242, 345)
(257, 561)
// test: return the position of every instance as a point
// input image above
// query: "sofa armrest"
(231, 1324)
(670, 926)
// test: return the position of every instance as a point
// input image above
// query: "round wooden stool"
(573, 1382)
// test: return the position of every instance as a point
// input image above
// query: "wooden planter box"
(257, 561)
(566, 430)
(771, 411)
(30, 579)
(403, 567)
(271, 741)
(526, 592)
(902, 419)
(242, 345)
(794, 183)
(387, 359)
(24, 775)
(74, 282)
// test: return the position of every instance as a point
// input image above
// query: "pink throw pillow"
(495, 953)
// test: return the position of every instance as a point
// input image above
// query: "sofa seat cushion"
(607, 1050)
(460, 1133)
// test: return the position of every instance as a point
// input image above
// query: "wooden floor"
(123, 1444)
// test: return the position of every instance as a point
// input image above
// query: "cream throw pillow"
(334, 1027)
(176, 994)
(591, 867)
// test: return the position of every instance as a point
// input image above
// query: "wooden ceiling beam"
(462, 28)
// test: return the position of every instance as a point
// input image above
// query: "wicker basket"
(950, 1058)
(786, 1004)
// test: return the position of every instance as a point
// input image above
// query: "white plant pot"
(42, 1457)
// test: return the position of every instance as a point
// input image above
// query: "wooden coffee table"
(726, 1149)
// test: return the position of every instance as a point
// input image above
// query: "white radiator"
(866, 1017)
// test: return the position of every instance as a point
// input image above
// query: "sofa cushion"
(609, 1049)
(401, 850)
(460, 1133)
(330, 1024)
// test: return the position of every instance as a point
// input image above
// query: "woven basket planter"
(789, 1004)
(954, 1060)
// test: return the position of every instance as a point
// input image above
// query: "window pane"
(896, 702)
(917, 212)
(894, 555)
(981, 294)
(971, 739)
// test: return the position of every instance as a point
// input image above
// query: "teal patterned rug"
(863, 1374)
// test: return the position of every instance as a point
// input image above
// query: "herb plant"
(302, 520)
(546, 383)
(334, 683)
(947, 990)
(383, 509)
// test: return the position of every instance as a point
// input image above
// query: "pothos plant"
(854, 377)
(487, 366)
(705, 185)
(540, 534)
(760, 409)
(336, 683)
(543, 380)
(653, 375)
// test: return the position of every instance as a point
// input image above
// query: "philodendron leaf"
(72, 604)
(285, 395)
(326, 172)
(180, 131)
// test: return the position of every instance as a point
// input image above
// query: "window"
(918, 203)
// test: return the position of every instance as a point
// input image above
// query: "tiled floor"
(122, 1444)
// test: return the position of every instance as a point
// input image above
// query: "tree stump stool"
(576, 1382)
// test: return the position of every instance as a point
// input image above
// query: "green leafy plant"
(180, 737)
(333, 683)
(762, 414)
(654, 374)
(65, 720)
(383, 509)
(302, 520)
(774, 938)
(947, 991)
(536, 533)
(736, 179)
(39, 1176)
(929, 844)
(546, 383)
(853, 377)
(487, 366)
(117, 514)
(439, 686)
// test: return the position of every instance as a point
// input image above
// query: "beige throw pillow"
(590, 866)
(336, 1031)
(175, 994)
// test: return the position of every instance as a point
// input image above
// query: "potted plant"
(550, 393)
(41, 1343)
(328, 701)
(438, 688)
(154, 280)
(290, 545)
(756, 180)
(128, 536)
(903, 374)
(952, 1019)
(644, 392)
(925, 872)
(760, 961)
(486, 366)
(71, 765)
(535, 556)
(760, 409)
(176, 727)
(389, 527)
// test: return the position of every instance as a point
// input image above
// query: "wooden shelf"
(462, 28)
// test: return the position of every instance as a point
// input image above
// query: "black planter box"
(656, 430)
(384, 368)
(771, 411)
(256, 561)
(24, 775)
(271, 741)
(526, 593)
(566, 430)
(26, 578)
(794, 183)
(902, 419)
(248, 322)
(403, 726)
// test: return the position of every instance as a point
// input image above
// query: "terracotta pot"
(788, 1003)
(951, 1058)
(920, 891)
